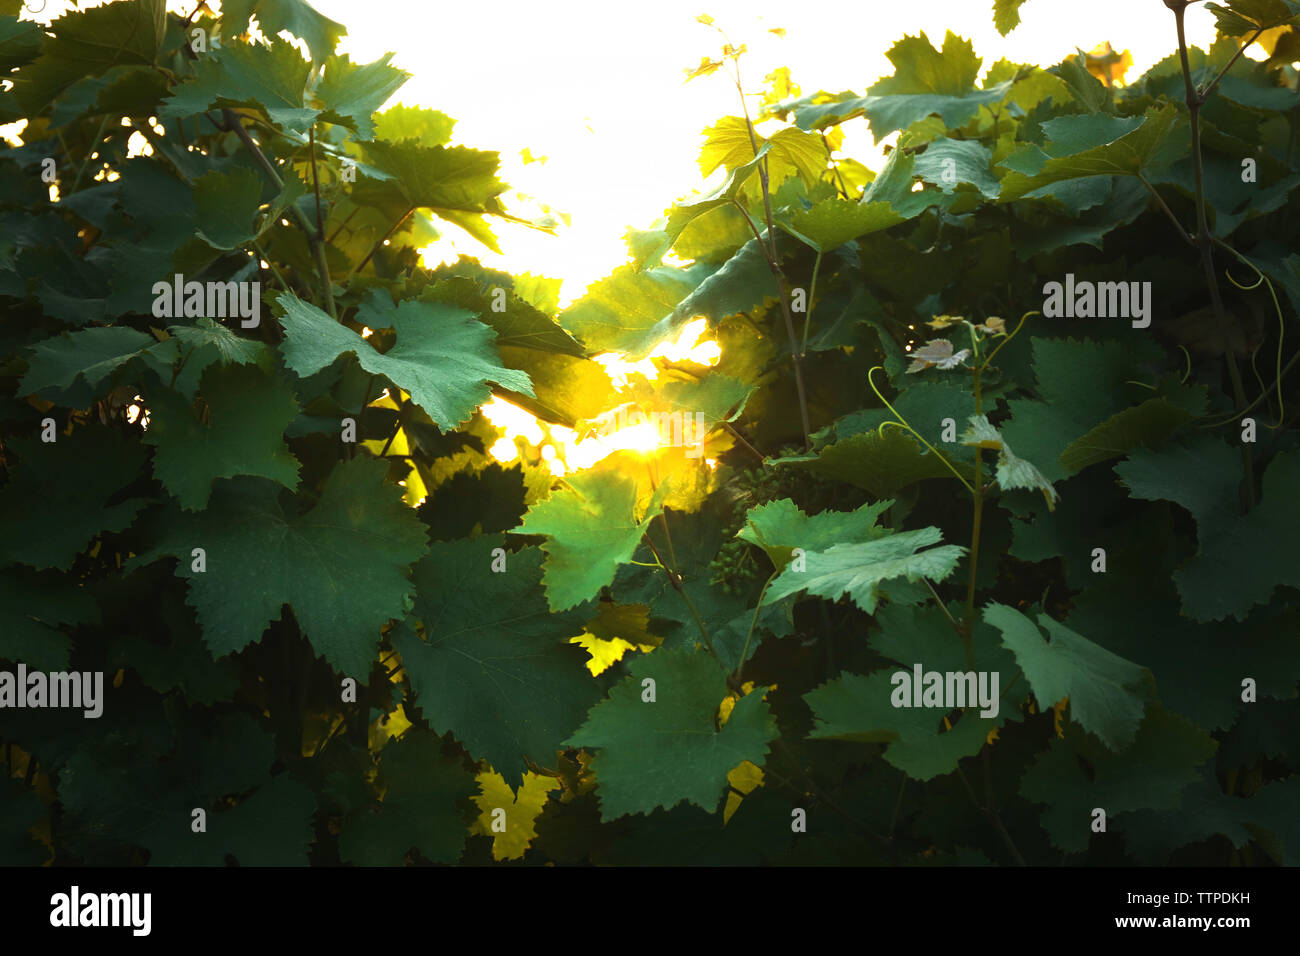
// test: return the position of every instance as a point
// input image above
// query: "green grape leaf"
(881, 464)
(427, 127)
(495, 668)
(1142, 425)
(857, 708)
(1239, 560)
(1107, 694)
(227, 204)
(341, 565)
(54, 504)
(200, 346)
(788, 152)
(88, 354)
(1093, 145)
(426, 807)
(241, 432)
(89, 42)
(443, 356)
(929, 81)
(20, 42)
(349, 93)
(681, 216)
(947, 163)
(1013, 472)
(32, 608)
(298, 17)
(272, 78)
(1244, 17)
(856, 569)
(1163, 758)
(1086, 89)
(661, 753)
(622, 311)
(591, 528)
(833, 222)
(440, 178)
(778, 527)
(519, 324)
(1006, 15)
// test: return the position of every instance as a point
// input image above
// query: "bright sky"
(596, 87)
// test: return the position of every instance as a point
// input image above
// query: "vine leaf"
(1013, 472)
(927, 81)
(1107, 693)
(320, 33)
(657, 754)
(1096, 144)
(1166, 752)
(778, 527)
(1239, 560)
(89, 354)
(87, 43)
(856, 569)
(1006, 15)
(425, 807)
(53, 504)
(271, 78)
(241, 433)
(349, 93)
(591, 529)
(341, 565)
(200, 346)
(443, 356)
(495, 667)
(227, 204)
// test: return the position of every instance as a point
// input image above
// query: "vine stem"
(675, 580)
(1205, 242)
(977, 493)
(993, 818)
(315, 182)
(902, 423)
(230, 121)
(815, 791)
(774, 265)
(807, 315)
(741, 438)
(1186, 236)
(85, 163)
(380, 241)
(740, 667)
(314, 239)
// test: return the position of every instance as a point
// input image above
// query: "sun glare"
(562, 449)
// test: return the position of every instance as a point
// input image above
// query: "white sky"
(596, 86)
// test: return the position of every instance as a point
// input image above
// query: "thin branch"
(1205, 93)
(379, 242)
(315, 183)
(774, 266)
(741, 438)
(232, 121)
(1205, 242)
(1186, 236)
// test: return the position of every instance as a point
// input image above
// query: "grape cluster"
(735, 567)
